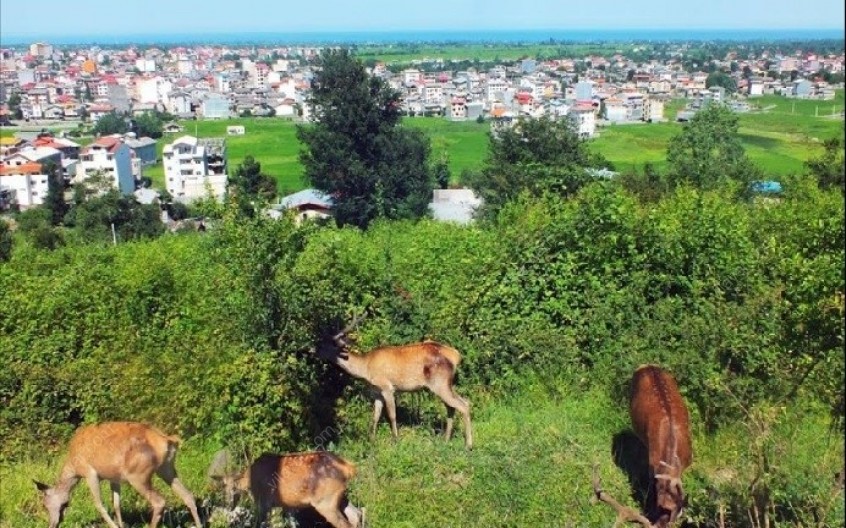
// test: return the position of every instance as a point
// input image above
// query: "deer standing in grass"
(298, 480)
(404, 368)
(117, 452)
(661, 422)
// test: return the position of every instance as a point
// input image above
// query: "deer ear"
(41, 486)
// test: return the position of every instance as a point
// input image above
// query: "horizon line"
(13, 39)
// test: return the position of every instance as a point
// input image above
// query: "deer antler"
(624, 513)
(339, 337)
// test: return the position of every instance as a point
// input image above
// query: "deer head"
(336, 347)
(55, 500)
(670, 500)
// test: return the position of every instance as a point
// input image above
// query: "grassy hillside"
(531, 467)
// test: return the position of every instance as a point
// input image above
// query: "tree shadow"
(631, 456)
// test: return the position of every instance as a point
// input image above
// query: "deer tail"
(451, 354)
(347, 469)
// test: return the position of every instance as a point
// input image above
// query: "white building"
(111, 157)
(23, 185)
(194, 168)
(153, 90)
(585, 118)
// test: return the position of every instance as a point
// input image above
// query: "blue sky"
(45, 18)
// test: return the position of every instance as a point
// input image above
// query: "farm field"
(406, 53)
(531, 466)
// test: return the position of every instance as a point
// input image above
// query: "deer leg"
(354, 515)
(377, 413)
(116, 501)
(456, 402)
(450, 416)
(144, 487)
(391, 406)
(168, 473)
(94, 485)
(329, 509)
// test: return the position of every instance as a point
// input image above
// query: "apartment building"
(195, 167)
(22, 185)
(111, 157)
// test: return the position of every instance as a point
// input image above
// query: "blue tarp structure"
(766, 187)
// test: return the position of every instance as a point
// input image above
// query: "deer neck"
(354, 365)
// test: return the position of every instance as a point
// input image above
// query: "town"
(44, 86)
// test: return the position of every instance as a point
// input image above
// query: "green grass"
(401, 54)
(531, 466)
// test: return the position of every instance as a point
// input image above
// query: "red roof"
(26, 168)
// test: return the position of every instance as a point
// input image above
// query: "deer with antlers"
(404, 368)
(118, 452)
(298, 480)
(660, 420)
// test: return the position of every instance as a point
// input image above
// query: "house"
(23, 185)
(215, 106)
(235, 130)
(653, 109)
(33, 154)
(308, 204)
(802, 88)
(195, 168)
(143, 148)
(454, 205)
(172, 128)
(111, 157)
(584, 117)
(10, 145)
(458, 109)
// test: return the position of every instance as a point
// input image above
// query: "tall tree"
(537, 156)
(357, 152)
(249, 185)
(149, 124)
(721, 79)
(830, 168)
(5, 241)
(55, 199)
(708, 152)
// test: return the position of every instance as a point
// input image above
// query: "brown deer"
(297, 480)
(659, 418)
(404, 368)
(117, 452)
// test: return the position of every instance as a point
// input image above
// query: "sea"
(527, 36)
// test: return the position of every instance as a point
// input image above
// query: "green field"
(493, 52)
(779, 135)
(531, 466)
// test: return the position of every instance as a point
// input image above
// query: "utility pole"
(114, 235)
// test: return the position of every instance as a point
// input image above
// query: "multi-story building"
(584, 116)
(195, 167)
(111, 157)
(22, 185)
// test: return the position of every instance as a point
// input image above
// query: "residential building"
(111, 157)
(584, 116)
(195, 167)
(653, 109)
(215, 106)
(22, 185)
(308, 204)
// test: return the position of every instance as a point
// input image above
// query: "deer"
(118, 452)
(660, 421)
(405, 368)
(297, 480)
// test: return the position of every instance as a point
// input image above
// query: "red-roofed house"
(109, 156)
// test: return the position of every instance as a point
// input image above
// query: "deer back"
(298, 479)
(412, 366)
(117, 449)
(660, 419)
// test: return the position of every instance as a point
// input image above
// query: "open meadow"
(780, 135)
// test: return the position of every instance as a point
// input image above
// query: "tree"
(249, 184)
(721, 79)
(357, 152)
(149, 124)
(5, 241)
(14, 104)
(54, 201)
(708, 152)
(111, 123)
(536, 155)
(829, 169)
(441, 172)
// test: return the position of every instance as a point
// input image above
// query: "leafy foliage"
(55, 199)
(111, 123)
(356, 152)
(536, 156)
(707, 152)
(148, 124)
(830, 168)
(5, 241)
(249, 185)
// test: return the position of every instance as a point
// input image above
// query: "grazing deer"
(117, 452)
(403, 368)
(660, 420)
(298, 480)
